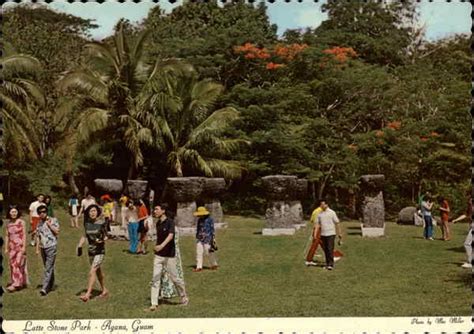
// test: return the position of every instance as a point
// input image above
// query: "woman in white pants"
(204, 239)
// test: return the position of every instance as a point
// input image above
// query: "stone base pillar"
(215, 209)
(372, 205)
(184, 214)
(372, 232)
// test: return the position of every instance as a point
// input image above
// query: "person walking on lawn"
(96, 235)
(46, 244)
(313, 238)
(444, 213)
(329, 225)
(165, 257)
(426, 206)
(34, 216)
(204, 239)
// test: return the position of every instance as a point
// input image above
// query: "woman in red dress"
(15, 249)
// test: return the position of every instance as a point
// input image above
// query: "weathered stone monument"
(211, 191)
(136, 189)
(284, 211)
(406, 216)
(372, 205)
(184, 191)
(109, 186)
(300, 191)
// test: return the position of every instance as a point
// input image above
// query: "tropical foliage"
(223, 95)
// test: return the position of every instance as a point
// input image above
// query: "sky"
(440, 18)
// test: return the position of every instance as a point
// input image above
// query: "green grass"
(399, 275)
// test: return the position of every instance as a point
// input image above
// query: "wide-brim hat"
(201, 211)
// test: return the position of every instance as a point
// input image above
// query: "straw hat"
(201, 211)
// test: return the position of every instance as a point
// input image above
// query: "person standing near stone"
(123, 209)
(142, 227)
(314, 239)
(46, 243)
(204, 238)
(131, 216)
(426, 206)
(96, 235)
(329, 224)
(165, 257)
(34, 217)
(85, 203)
(73, 206)
(444, 213)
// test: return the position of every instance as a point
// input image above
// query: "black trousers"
(328, 246)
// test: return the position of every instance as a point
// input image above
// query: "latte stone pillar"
(279, 190)
(136, 189)
(296, 209)
(184, 191)
(372, 205)
(212, 190)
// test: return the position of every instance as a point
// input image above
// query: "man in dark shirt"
(165, 251)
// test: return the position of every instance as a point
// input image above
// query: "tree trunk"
(72, 183)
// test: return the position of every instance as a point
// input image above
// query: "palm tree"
(19, 95)
(189, 132)
(107, 86)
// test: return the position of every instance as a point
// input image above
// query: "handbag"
(214, 247)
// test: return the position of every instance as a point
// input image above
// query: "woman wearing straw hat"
(204, 238)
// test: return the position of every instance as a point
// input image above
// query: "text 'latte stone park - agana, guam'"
(284, 212)
(372, 205)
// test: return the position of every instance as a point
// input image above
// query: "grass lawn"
(399, 275)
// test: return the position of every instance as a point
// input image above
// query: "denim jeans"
(428, 232)
(133, 235)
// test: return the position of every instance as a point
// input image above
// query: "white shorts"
(96, 260)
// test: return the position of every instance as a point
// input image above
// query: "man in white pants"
(204, 238)
(165, 252)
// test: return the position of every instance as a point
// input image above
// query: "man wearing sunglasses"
(46, 242)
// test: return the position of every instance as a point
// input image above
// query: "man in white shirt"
(329, 225)
(85, 203)
(34, 216)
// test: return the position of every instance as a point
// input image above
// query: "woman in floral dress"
(15, 250)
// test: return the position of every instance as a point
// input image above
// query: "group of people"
(426, 207)
(167, 279)
(326, 226)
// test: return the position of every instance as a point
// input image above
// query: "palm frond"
(20, 63)
(31, 89)
(103, 51)
(217, 122)
(91, 120)
(205, 93)
(228, 169)
(85, 81)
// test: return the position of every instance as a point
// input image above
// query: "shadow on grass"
(457, 249)
(258, 233)
(463, 278)
(353, 228)
(95, 293)
(354, 233)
